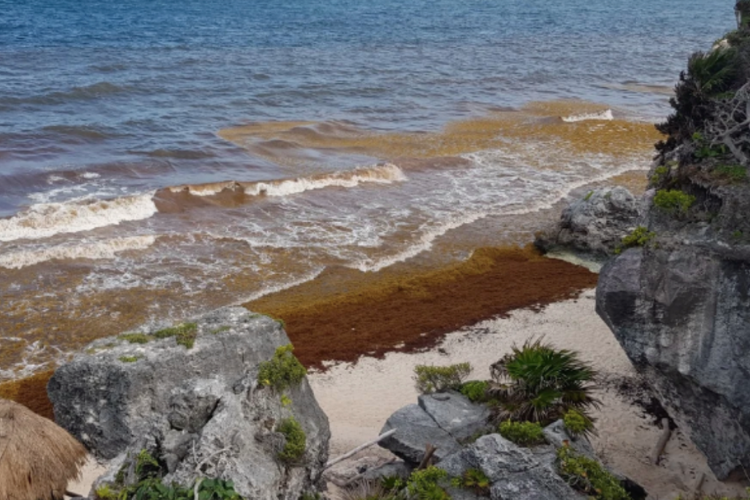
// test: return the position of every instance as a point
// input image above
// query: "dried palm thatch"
(37, 457)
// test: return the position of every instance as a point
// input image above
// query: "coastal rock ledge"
(682, 314)
(190, 397)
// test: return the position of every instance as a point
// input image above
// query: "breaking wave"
(381, 174)
(95, 250)
(605, 115)
(47, 219)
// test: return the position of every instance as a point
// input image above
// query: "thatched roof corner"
(37, 457)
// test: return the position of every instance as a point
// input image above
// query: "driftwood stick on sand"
(662, 442)
(698, 486)
(359, 448)
(429, 450)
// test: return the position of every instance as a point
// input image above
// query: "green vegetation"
(640, 237)
(440, 378)
(704, 149)
(149, 486)
(522, 433)
(588, 476)
(713, 72)
(578, 424)
(673, 201)
(282, 371)
(285, 401)
(474, 480)
(475, 390)
(426, 484)
(296, 441)
(737, 234)
(129, 359)
(135, 338)
(221, 329)
(734, 173)
(588, 196)
(538, 383)
(185, 334)
(660, 173)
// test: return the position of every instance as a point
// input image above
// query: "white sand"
(91, 471)
(358, 398)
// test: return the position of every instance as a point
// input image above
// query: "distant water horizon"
(158, 159)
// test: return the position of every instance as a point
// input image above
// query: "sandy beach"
(358, 398)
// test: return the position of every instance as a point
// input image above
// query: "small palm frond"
(713, 71)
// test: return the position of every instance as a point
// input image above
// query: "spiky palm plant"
(538, 383)
(712, 72)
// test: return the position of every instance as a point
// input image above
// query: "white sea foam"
(105, 249)
(47, 219)
(380, 174)
(605, 115)
(89, 175)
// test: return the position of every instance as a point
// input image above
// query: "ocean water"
(161, 158)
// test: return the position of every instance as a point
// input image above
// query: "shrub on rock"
(431, 379)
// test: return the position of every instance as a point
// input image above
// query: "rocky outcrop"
(513, 472)
(199, 410)
(593, 225)
(682, 314)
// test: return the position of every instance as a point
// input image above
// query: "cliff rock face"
(682, 314)
(198, 410)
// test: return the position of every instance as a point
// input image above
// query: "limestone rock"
(682, 314)
(415, 430)
(514, 472)
(194, 406)
(594, 224)
(455, 414)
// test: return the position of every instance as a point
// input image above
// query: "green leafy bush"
(475, 390)
(282, 371)
(296, 440)
(588, 476)
(474, 480)
(578, 424)
(673, 201)
(522, 433)
(440, 378)
(426, 484)
(660, 173)
(734, 173)
(538, 383)
(148, 485)
(640, 237)
(184, 333)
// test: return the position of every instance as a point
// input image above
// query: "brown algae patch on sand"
(373, 316)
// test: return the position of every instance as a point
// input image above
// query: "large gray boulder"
(415, 429)
(455, 414)
(198, 410)
(515, 473)
(594, 224)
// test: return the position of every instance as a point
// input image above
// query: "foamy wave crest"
(605, 115)
(47, 219)
(381, 174)
(96, 250)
